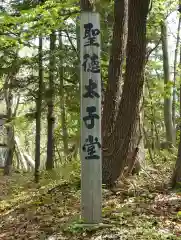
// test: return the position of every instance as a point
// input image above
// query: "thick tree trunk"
(62, 102)
(117, 56)
(167, 98)
(50, 117)
(117, 147)
(38, 112)
(136, 149)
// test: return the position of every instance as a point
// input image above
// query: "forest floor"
(145, 209)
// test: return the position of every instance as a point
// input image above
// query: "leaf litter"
(51, 211)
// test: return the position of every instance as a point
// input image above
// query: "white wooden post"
(91, 158)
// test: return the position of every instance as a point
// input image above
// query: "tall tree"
(10, 127)
(62, 102)
(175, 77)
(38, 110)
(167, 98)
(117, 56)
(176, 177)
(50, 102)
(8, 95)
(116, 149)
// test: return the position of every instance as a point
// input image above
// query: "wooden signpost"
(91, 159)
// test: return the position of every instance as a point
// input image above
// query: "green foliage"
(55, 201)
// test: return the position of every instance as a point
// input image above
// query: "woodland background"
(40, 119)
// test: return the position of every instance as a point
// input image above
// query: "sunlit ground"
(144, 209)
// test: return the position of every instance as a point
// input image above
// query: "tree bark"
(20, 155)
(38, 111)
(50, 117)
(87, 5)
(167, 98)
(117, 56)
(174, 77)
(136, 148)
(155, 141)
(176, 177)
(11, 145)
(117, 147)
(10, 127)
(62, 102)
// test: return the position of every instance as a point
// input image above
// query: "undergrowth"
(145, 209)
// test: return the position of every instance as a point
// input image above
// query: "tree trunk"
(116, 149)
(9, 159)
(155, 141)
(87, 5)
(62, 103)
(77, 63)
(50, 117)
(137, 145)
(20, 154)
(117, 56)
(176, 177)
(27, 143)
(38, 112)
(29, 160)
(10, 128)
(167, 98)
(174, 78)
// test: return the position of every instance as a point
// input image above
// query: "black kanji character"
(95, 63)
(87, 63)
(90, 90)
(91, 63)
(91, 34)
(87, 28)
(90, 147)
(89, 120)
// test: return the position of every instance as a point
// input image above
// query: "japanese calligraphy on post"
(90, 117)
(91, 89)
